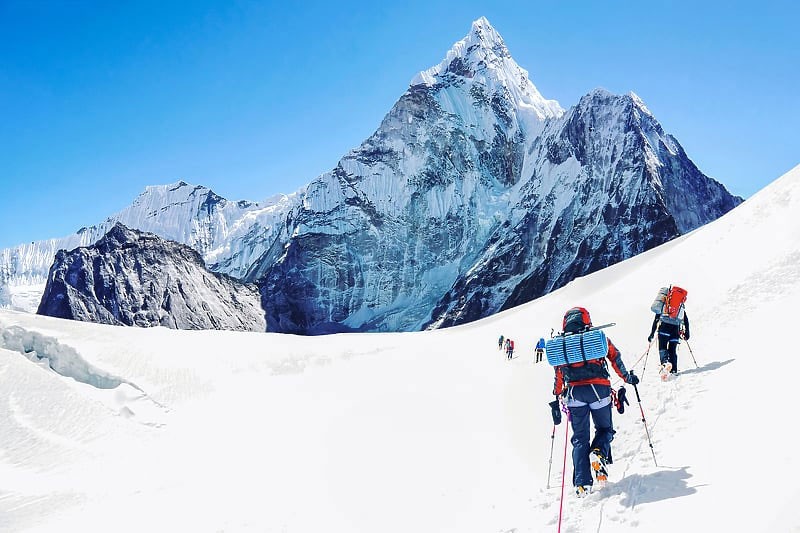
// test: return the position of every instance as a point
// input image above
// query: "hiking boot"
(582, 491)
(598, 463)
(665, 370)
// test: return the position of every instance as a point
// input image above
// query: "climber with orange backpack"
(672, 324)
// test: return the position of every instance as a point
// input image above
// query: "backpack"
(658, 304)
(578, 350)
(572, 348)
(672, 312)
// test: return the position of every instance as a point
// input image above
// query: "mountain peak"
(639, 103)
(483, 35)
(481, 49)
(482, 57)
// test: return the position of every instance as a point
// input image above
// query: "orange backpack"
(673, 305)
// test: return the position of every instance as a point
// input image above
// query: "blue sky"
(100, 99)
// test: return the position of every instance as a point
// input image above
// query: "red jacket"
(616, 363)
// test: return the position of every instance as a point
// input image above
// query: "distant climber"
(539, 350)
(672, 324)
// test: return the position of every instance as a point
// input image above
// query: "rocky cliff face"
(605, 184)
(138, 279)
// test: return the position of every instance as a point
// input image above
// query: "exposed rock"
(139, 279)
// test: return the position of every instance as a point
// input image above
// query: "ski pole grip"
(638, 398)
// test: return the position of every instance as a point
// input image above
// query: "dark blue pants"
(667, 348)
(586, 401)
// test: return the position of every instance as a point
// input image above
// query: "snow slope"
(164, 430)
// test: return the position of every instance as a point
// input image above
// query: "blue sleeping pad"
(567, 349)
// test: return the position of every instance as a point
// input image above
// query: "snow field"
(433, 431)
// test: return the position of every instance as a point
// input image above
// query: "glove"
(650, 338)
(686, 336)
(622, 399)
(555, 409)
(632, 378)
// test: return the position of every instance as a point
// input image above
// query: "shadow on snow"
(714, 365)
(657, 486)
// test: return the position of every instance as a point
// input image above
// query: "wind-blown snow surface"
(431, 431)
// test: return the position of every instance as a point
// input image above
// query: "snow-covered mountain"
(134, 278)
(604, 183)
(474, 194)
(222, 231)
(431, 431)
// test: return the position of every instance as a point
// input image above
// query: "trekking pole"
(649, 344)
(647, 431)
(550, 463)
(691, 352)
(563, 469)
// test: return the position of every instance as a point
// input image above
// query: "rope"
(646, 352)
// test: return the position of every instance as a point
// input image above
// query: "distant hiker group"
(508, 345)
(580, 355)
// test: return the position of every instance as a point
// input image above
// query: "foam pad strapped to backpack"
(576, 348)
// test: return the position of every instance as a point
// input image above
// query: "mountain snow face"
(604, 183)
(384, 235)
(227, 234)
(138, 279)
(475, 194)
